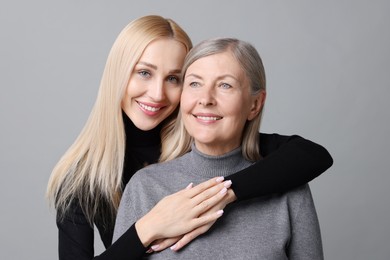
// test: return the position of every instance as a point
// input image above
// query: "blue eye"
(194, 84)
(225, 86)
(144, 73)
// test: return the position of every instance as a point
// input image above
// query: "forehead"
(164, 49)
(217, 64)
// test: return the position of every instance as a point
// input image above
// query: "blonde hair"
(91, 170)
(175, 139)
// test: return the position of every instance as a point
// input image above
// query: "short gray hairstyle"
(246, 55)
(252, 65)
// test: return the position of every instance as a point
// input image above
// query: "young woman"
(138, 95)
(216, 134)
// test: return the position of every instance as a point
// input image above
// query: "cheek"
(132, 90)
(238, 109)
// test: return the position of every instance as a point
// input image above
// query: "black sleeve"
(288, 162)
(76, 240)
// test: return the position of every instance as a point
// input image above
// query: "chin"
(146, 126)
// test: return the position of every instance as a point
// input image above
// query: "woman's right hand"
(177, 243)
(181, 212)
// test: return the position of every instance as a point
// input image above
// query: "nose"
(206, 96)
(157, 91)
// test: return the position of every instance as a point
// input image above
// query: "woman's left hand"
(176, 243)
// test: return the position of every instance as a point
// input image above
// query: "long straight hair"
(175, 139)
(90, 172)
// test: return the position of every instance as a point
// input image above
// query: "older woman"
(139, 94)
(216, 135)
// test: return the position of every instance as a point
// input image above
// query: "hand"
(183, 211)
(181, 241)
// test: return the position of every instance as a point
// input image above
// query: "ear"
(257, 105)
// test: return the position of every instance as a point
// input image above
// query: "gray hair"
(176, 140)
(246, 55)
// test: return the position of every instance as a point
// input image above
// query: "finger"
(212, 191)
(189, 186)
(207, 204)
(164, 243)
(187, 238)
(206, 219)
(204, 186)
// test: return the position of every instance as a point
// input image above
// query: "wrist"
(145, 231)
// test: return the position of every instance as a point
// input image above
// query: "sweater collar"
(214, 166)
(136, 137)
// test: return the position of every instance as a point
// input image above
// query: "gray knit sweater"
(281, 226)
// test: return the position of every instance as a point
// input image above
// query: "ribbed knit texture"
(282, 226)
(203, 165)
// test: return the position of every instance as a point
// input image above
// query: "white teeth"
(208, 118)
(149, 108)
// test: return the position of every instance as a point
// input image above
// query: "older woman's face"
(154, 89)
(216, 103)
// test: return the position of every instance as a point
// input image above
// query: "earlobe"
(257, 105)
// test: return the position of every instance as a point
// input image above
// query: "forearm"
(288, 163)
(128, 246)
(76, 240)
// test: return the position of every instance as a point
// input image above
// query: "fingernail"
(189, 186)
(223, 191)
(149, 251)
(220, 179)
(173, 247)
(228, 183)
(155, 247)
(220, 212)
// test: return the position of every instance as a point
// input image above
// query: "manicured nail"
(149, 251)
(220, 212)
(173, 247)
(155, 247)
(220, 179)
(227, 184)
(189, 186)
(223, 191)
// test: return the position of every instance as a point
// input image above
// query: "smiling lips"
(207, 117)
(149, 109)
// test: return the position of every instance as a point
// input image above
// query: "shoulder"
(155, 170)
(155, 173)
(148, 185)
(300, 200)
(299, 193)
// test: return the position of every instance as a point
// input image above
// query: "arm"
(305, 241)
(289, 162)
(173, 215)
(75, 235)
(76, 240)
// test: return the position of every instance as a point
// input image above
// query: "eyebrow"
(193, 75)
(154, 67)
(218, 78)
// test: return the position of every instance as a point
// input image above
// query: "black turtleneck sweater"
(289, 162)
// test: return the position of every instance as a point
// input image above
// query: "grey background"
(327, 65)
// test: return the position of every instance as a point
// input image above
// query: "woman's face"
(154, 88)
(216, 103)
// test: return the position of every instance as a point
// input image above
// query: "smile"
(208, 118)
(149, 108)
